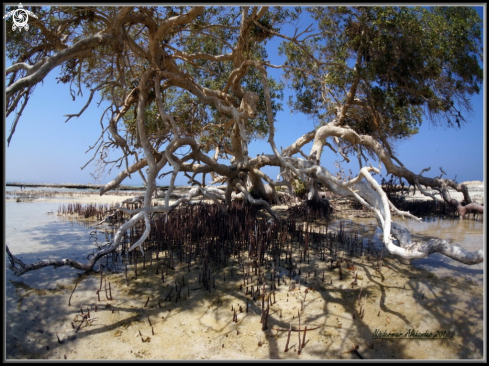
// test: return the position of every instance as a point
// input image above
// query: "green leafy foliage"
(378, 70)
(299, 187)
(403, 63)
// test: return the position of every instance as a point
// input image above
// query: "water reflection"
(468, 234)
(32, 235)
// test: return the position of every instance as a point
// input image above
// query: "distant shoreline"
(93, 186)
(475, 187)
(73, 185)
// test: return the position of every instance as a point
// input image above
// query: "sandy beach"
(394, 311)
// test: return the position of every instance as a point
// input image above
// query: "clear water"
(32, 234)
(468, 234)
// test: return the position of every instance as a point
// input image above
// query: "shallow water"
(468, 234)
(33, 234)
(51, 194)
(12, 190)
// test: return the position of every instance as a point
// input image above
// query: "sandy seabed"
(396, 311)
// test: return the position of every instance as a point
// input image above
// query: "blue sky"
(45, 149)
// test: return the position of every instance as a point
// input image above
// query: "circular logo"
(20, 17)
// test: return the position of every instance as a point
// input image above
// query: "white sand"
(199, 326)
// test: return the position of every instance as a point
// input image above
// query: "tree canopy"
(179, 76)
